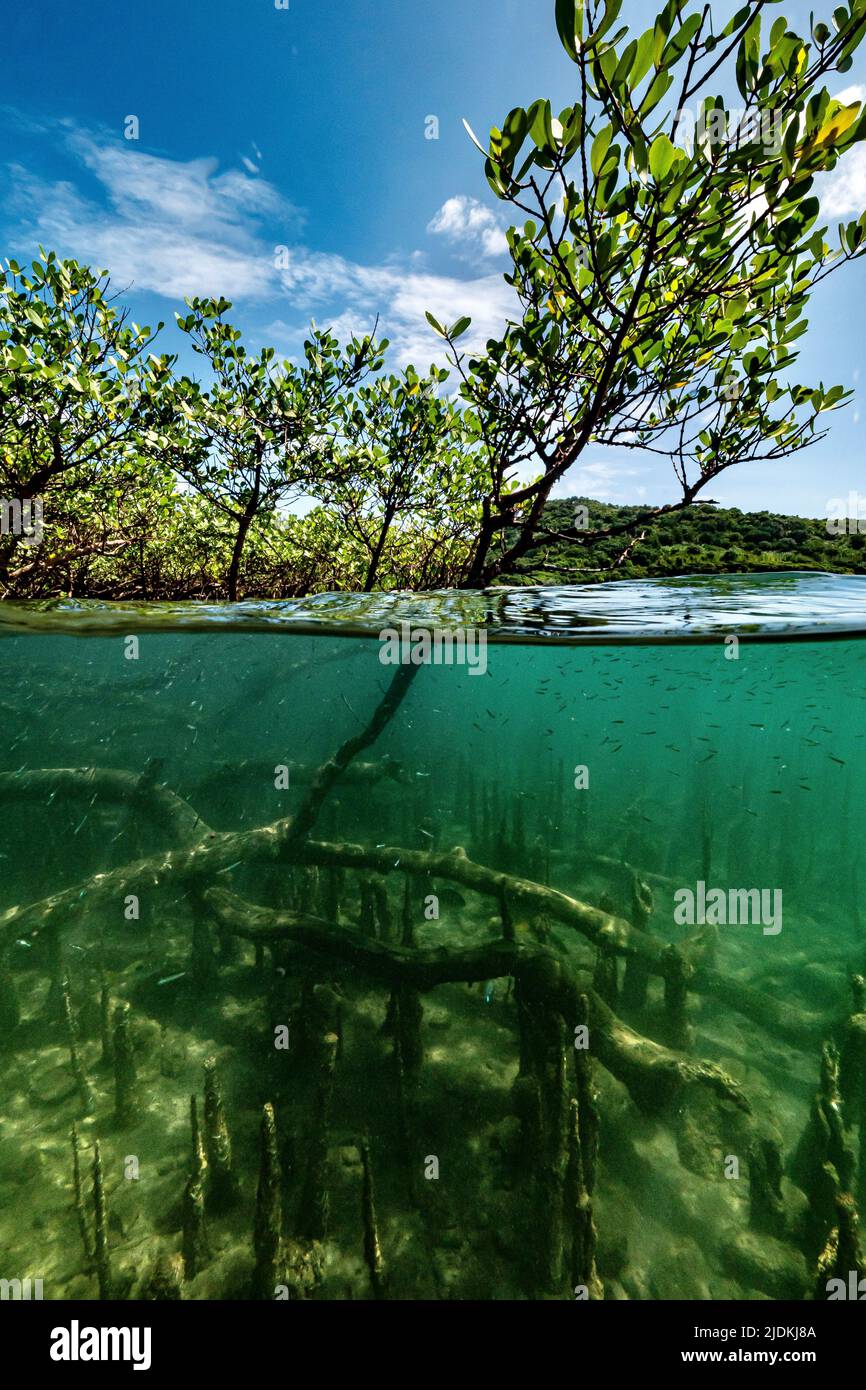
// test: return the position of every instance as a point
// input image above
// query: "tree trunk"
(244, 525)
(474, 578)
(373, 567)
(237, 551)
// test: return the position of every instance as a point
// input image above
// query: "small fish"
(170, 979)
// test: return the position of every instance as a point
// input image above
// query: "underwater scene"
(533, 969)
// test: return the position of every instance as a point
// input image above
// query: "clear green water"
(618, 775)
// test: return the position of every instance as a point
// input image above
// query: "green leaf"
(736, 22)
(677, 46)
(624, 66)
(611, 11)
(656, 90)
(514, 132)
(472, 136)
(541, 124)
(643, 59)
(599, 150)
(435, 325)
(748, 58)
(459, 328)
(569, 26)
(661, 158)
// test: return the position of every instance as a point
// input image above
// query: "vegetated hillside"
(700, 540)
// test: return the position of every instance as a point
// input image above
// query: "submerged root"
(655, 1076)
(197, 861)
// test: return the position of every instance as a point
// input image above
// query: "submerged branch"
(654, 1076)
(204, 853)
(136, 792)
(421, 969)
(601, 928)
(334, 768)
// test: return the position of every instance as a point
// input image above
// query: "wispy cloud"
(177, 229)
(606, 481)
(174, 228)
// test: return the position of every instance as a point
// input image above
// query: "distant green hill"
(700, 540)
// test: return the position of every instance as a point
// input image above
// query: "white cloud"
(844, 191)
(179, 229)
(399, 297)
(191, 195)
(487, 300)
(170, 227)
(470, 226)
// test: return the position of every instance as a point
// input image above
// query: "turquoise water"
(659, 792)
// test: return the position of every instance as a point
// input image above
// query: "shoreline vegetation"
(699, 540)
(187, 556)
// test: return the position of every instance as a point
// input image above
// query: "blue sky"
(307, 127)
